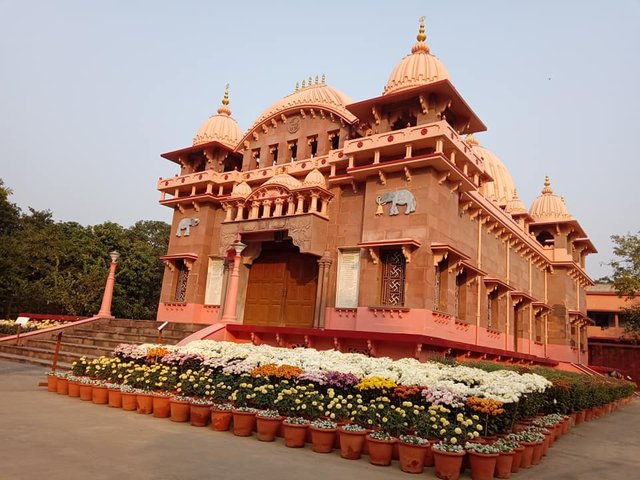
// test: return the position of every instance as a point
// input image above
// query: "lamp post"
(105, 308)
(231, 300)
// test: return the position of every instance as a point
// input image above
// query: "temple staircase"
(92, 340)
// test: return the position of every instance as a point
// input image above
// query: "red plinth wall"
(623, 356)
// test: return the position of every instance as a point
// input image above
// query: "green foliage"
(631, 317)
(61, 267)
(626, 268)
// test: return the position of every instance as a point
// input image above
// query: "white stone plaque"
(213, 291)
(348, 283)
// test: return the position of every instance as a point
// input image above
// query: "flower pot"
(180, 410)
(86, 392)
(221, 420)
(411, 457)
(52, 383)
(129, 402)
(588, 415)
(267, 428)
(115, 398)
(351, 443)
(322, 439)
(100, 395)
(62, 386)
(527, 454)
(580, 417)
(448, 464)
(200, 414)
(428, 456)
(294, 435)
(503, 464)
(548, 439)
(566, 425)
(144, 403)
(538, 448)
(74, 388)
(517, 459)
(380, 451)
(243, 423)
(161, 406)
(483, 465)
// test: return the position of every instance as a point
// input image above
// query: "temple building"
(381, 225)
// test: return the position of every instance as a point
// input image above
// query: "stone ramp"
(92, 340)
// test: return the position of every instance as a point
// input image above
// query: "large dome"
(221, 127)
(549, 207)
(318, 95)
(417, 68)
(502, 188)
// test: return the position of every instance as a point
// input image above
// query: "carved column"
(314, 202)
(255, 210)
(323, 287)
(324, 206)
(266, 209)
(277, 212)
(300, 208)
(291, 206)
(231, 301)
(228, 212)
(239, 211)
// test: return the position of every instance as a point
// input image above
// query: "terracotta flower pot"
(527, 454)
(52, 383)
(294, 435)
(580, 416)
(351, 443)
(62, 386)
(566, 426)
(161, 407)
(144, 403)
(85, 392)
(322, 439)
(411, 457)
(115, 398)
(483, 465)
(538, 449)
(267, 428)
(129, 402)
(517, 459)
(200, 415)
(73, 388)
(180, 410)
(243, 423)
(380, 451)
(503, 464)
(448, 465)
(221, 420)
(100, 395)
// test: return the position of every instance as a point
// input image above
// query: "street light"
(115, 255)
(107, 297)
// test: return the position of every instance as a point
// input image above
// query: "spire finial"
(471, 140)
(547, 185)
(323, 78)
(224, 108)
(310, 80)
(297, 86)
(421, 35)
(421, 46)
(304, 84)
(316, 80)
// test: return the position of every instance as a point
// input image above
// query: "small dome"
(515, 206)
(221, 127)
(285, 180)
(241, 189)
(549, 207)
(417, 68)
(315, 179)
(318, 95)
(501, 189)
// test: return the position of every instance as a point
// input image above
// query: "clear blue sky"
(92, 92)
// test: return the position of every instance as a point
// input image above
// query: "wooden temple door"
(281, 290)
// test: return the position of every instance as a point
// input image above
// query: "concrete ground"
(45, 435)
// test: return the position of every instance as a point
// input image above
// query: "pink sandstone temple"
(380, 226)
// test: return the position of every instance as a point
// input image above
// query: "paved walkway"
(51, 436)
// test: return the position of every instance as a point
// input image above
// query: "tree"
(626, 279)
(626, 268)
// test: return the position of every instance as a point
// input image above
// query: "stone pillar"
(314, 203)
(107, 298)
(278, 209)
(323, 284)
(291, 206)
(231, 300)
(240, 211)
(300, 208)
(266, 209)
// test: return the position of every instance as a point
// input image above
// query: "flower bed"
(451, 405)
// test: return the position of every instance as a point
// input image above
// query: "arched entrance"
(282, 285)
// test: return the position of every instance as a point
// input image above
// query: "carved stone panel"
(213, 290)
(348, 281)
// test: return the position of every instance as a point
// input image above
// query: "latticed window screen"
(393, 276)
(181, 285)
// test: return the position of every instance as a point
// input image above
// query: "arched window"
(545, 239)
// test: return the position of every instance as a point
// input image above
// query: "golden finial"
(471, 140)
(297, 86)
(421, 46)
(323, 78)
(547, 185)
(316, 79)
(310, 80)
(303, 83)
(421, 35)
(224, 108)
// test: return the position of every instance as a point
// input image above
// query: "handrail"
(44, 331)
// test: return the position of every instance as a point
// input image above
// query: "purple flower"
(340, 380)
(317, 378)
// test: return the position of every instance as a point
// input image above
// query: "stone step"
(147, 332)
(108, 342)
(41, 353)
(70, 347)
(125, 337)
(34, 361)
